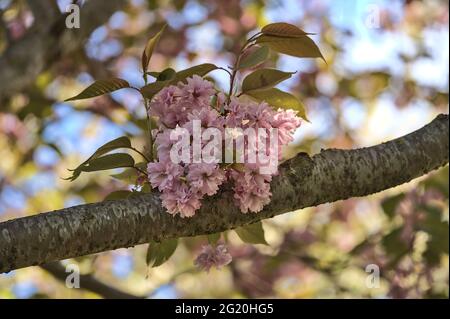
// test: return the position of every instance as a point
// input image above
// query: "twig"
(238, 60)
(90, 283)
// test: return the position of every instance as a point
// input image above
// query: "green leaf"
(390, 204)
(122, 194)
(438, 230)
(101, 87)
(167, 74)
(279, 99)
(359, 248)
(141, 165)
(148, 51)
(128, 176)
(159, 253)
(150, 90)
(200, 70)
(120, 142)
(213, 238)
(264, 78)
(153, 74)
(255, 58)
(108, 161)
(252, 234)
(301, 47)
(435, 250)
(283, 29)
(394, 246)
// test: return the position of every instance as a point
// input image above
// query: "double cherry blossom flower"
(184, 184)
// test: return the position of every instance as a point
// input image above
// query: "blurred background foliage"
(386, 75)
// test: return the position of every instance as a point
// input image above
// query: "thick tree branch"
(48, 39)
(303, 182)
(88, 282)
(44, 12)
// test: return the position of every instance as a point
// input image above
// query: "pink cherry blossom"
(163, 175)
(169, 95)
(182, 200)
(206, 178)
(208, 117)
(251, 190)
(236, 113)
(260, 115)
(163, 145)
(167, 117)
(197, 90)
(183, 185)
(286, 122)
(210, 256)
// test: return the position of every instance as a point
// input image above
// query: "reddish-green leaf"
(396, 247)
(263, 79)
(159, 253)
(252, 234)
(390, 204)
(302, 46)
(437, 227)
(120, 142)
(167, 74)
(153, 74)
(108, 161)
(255, 58)
(101, 87)
(283, 29)
(148, 51)
(128, 176)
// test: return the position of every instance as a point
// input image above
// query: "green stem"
(233, 77)
(149, 122)
(149, 127)
(238, 60)
(140, 171)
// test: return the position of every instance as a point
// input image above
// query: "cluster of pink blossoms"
(213, 256)
(184, 184)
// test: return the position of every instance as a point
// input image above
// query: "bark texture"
(303, 182)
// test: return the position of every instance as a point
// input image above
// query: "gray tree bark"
(303, 181)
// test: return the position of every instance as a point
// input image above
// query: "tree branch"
(88, 282)
(46, 40)
(303, 182)
(44, 12)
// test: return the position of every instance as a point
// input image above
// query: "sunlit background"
(386, 75)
